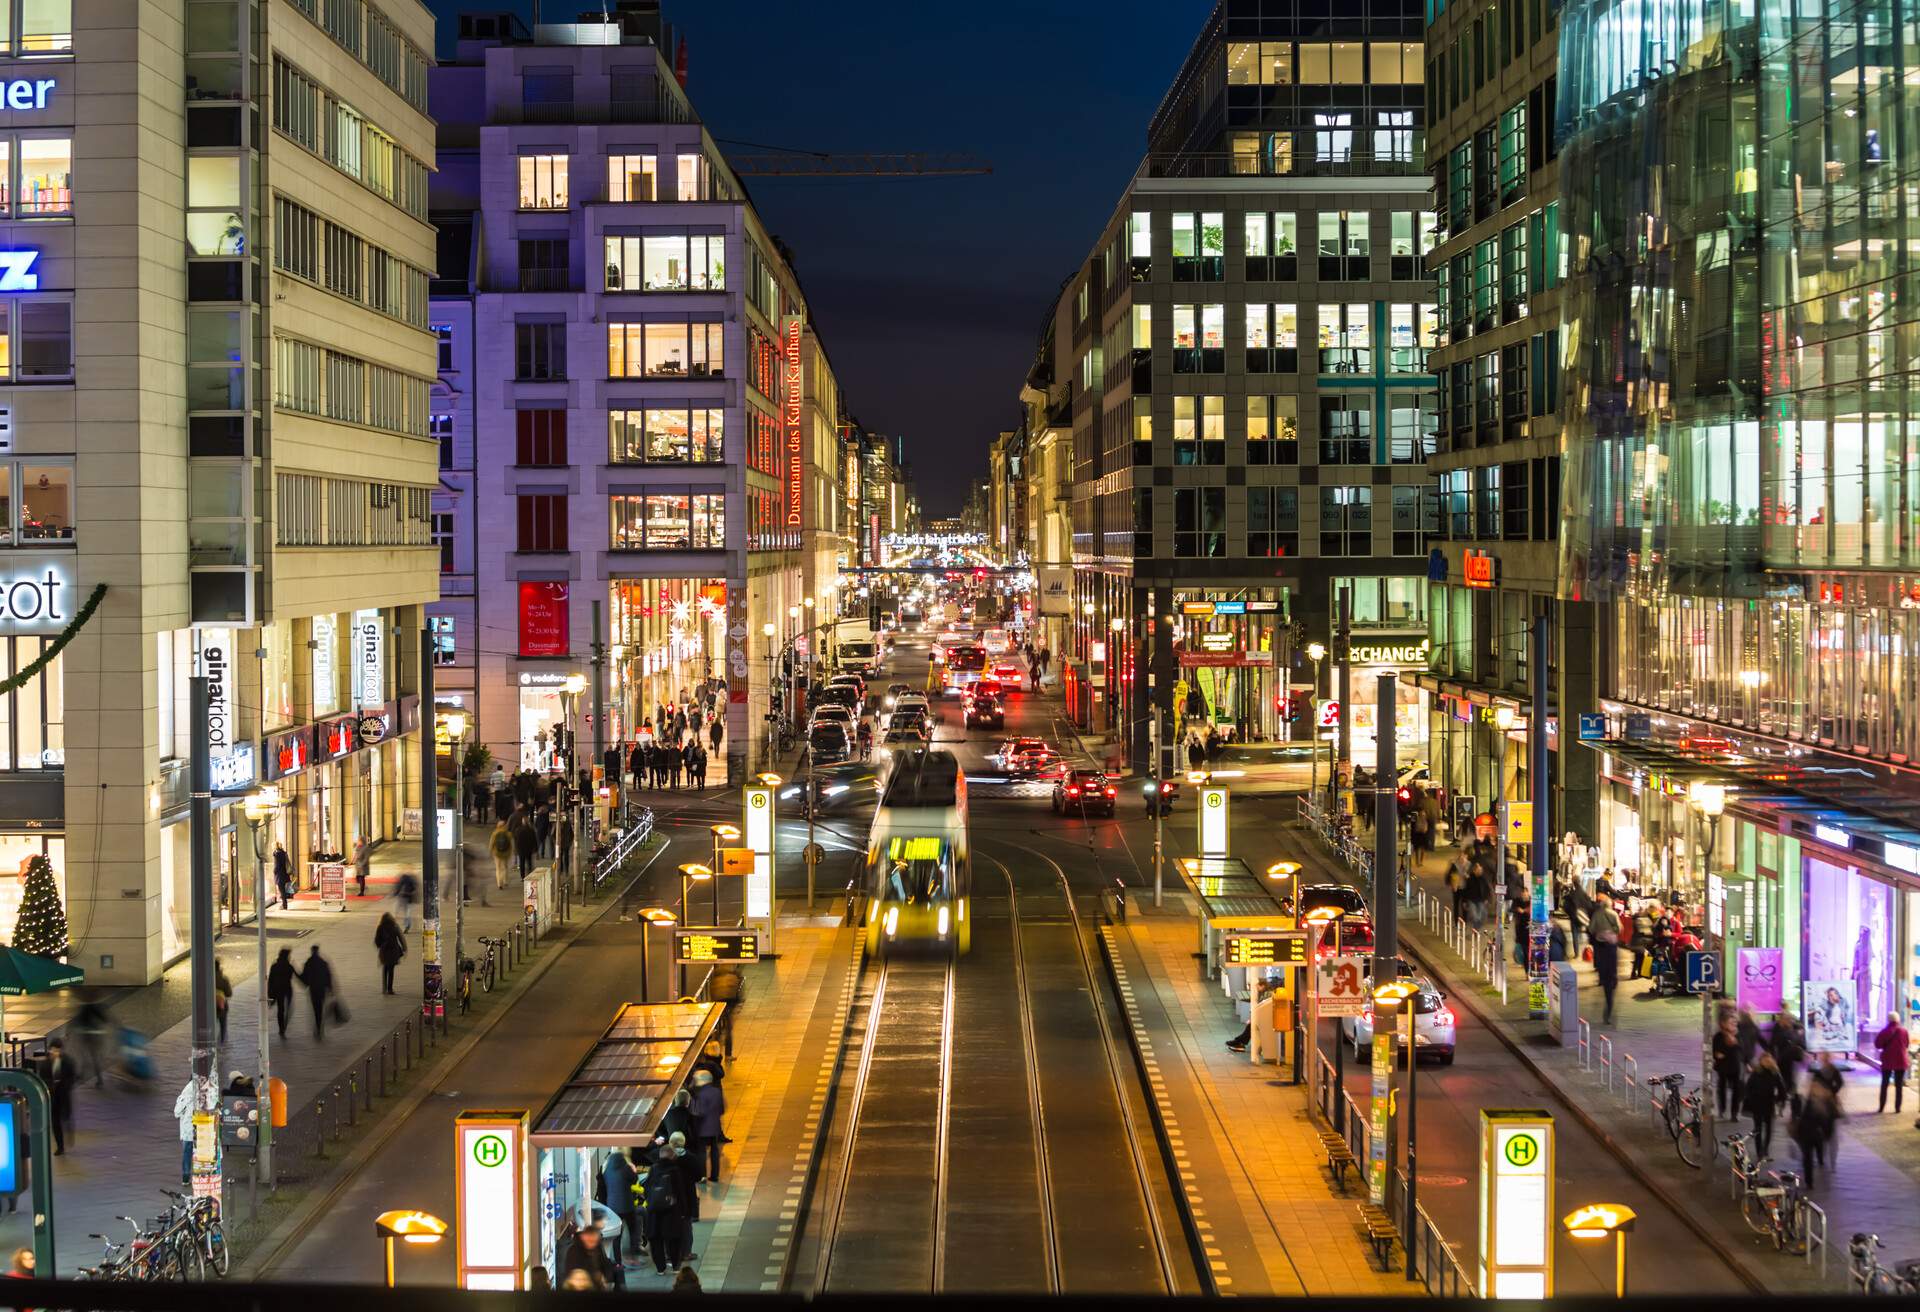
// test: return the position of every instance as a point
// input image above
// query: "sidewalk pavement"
(1877, 1156)
(126, 1143)
(1248, 1154)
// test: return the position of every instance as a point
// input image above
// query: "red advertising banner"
(543, 619)
(790, 414)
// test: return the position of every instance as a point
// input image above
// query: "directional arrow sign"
(1520, 822)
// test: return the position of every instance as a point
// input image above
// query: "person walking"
(91, 1024)
(714, 733)
(1789, 1049)
(317, 975)
(1603, 927)
(673, 768)
(405, 890)
(283, 875)
(525, 844)
(478, 797)
(709, 1104)
(563, 843)
(543, 830)
(222, 997)
(280, 977)
(500, 846)
(56, 1069)
(362, 864)
(617, 1179)
(587, 1256)
(689, 1175)
(1814, 1126)
(1728, 1070)
(1747, 1031)
(1891, 1044)
(502, 803)
(390, 944)
(1761, 1099)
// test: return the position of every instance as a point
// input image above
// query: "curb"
(823, 1127)
(283, 1236)
(1756, 1282)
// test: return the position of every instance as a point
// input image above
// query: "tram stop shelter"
(1228, 896)
(615, 1098)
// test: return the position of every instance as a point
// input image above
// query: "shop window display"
(1850, 946)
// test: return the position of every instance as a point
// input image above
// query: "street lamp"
(1289, 871)
(649, 918)
(409, 1227)
(1316, 652)
(456, 724)
(767, 631)
(260, 808)
(1597, 1221)
(692, 872)
(1317, 921)
(1502, 721)
(1391, 1002)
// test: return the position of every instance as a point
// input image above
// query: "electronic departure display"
(1279, 948)
(706, 947)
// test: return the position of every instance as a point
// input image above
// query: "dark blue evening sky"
(930, 293)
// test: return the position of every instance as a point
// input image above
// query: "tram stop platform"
(1250, 1158)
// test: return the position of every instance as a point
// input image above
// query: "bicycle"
(1778, 1209)
(1863, 1267)
(201, 1217)
(1680, 1109)
(488, 967)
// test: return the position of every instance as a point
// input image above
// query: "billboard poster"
(1832, 1023)
(1056, 589)
(790, 417)
(1848, 922)
(1759, 980)
(543, 619)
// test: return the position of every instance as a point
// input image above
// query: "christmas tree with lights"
(42, 926)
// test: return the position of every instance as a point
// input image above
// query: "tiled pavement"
(1247, 1153)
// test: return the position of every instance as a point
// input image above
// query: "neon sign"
(16, 271)
(790, 413)
(1480, 570)
(26, 93)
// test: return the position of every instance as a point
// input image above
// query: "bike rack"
(1583, 1046)
(1606, 1061)
(1816, 1222)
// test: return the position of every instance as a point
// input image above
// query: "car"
(1083, 792)
(894, 690)
(1034, 762)
(852, 681)
(996, 642)
(985, 712)
(984, 686)
(909, 704)
(829, 743)
(1435, 1028)
(1344, 896)
(841, 694)
(1015, 746)
(833, 712)
(1011, 678)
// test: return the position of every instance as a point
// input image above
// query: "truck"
(855, 649)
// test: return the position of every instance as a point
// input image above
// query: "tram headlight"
(892, 921)
(943, 922)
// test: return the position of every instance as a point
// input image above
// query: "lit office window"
(543, 182)
(46, 26)
(46, 175)
(632, 178)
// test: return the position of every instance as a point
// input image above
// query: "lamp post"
(1289, 871)
(1597, 1221)
(575, 685)
(1391, 1002)
(408, 1227)
(1317, 921)
(1710, 800)
(456, 726)
(772, 783)
(649, 918)
(1316, 652)
(766, 632)
(260, 808)
(1502, 721)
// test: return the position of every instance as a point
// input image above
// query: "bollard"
(406, 1044)
(1606, 1062)
(320, 1127)
(383, 1068)
(366, 1080)
(1630, 1070)
(1584, 1045)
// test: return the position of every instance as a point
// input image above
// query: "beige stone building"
(214, 370)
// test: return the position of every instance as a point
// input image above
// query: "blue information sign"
(9, 1148)
(1593, 728)
(1703, 972)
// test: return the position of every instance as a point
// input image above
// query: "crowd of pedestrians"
(675, 742)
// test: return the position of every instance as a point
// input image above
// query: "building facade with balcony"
(1251, 411)
(636, 333)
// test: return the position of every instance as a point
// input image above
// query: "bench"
(1340, 1158)
(1382, 1233)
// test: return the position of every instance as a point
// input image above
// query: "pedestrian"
(22, 1268)
(522, 789)
(563, 842)
(477, 797)
(1747, 1031)
(708, 1106)
(390, 944)
(500, 845)
(665, 1202)
(525, 843)
(280, 977)
(317, 975)
(1813, 1127)
(690, 761)
(585, 1255)
(636, 762)
(543, 830)
(362, 864)
(405, 890)
(222, 996)
(688, 1172)
(502, 803)
(617, 1179)
(56, 1069)
(1728, 1069)
(1891, 1043)
(699, 766)
(1603, 926)
(91, 1024)
(678, 1119)
(673, 768)
(1761, 1101)
(283, 875)
(714, 731)
(183, 1109)
(1789, 1049)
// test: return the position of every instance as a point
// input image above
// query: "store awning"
(624, 1085)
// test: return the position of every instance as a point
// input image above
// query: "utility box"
(1563, 1004)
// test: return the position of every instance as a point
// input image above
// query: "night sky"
(930, 294)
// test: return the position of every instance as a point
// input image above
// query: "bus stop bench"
(1340, 1158)
(1382, 1233)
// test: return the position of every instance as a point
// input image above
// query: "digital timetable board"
(705, 947)
(1275, 948)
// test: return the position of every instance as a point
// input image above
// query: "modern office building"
(1491, 150)
(1741, 460)
(214, 447)
(1250, 408)
(635, 333)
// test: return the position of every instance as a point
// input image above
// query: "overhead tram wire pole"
(206, 1179)
(432, 980)
(260, 809)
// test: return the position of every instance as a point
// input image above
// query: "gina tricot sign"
(36, 602)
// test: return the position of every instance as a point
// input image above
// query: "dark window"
(443, 334)
(1415, 519)
(543, 523)
(540, 437)
(1200, 521)
(1143, 521)
(440, 429)
(540, 350)
(543, 264)
(1273, 521)
(547, 97)
(1486, 502)
(443, 538)
(1513, 503)
(1346, 429)
(1346, 521)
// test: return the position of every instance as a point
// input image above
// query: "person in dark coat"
(637, 764)
(525, 843)
(1788, 1049)
(522, 788)
(502, 804)
(667, 1200)
(57, 1070)
(673, 764)
(479, 797)
(587, 1254)
(1729, 1071)
(1813, 1127)
(563, 842)
(618, 1178)
(317, 975)
(1761, 1099)
(1603, 926)
(391, 945)
(708, 1106)
(283, 875)
(543, 828)
(714, 733)
(280, 977)
(677, 1119)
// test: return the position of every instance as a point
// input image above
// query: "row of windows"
(364, 32)
(1329, 136)
(1272, 522)
(315, 118)
(667, 261)
(1272, 429)
(1490, 397)
(1504, 33)
(641, 521)
(1344, 63)
(321, 251)
(1491, 281)
(36, 27)
(663, 433)
(1515, 502)
(36, 175)
(1198, 243)
(36, 340)
(545, 179)
(1489, 169)
(672, 349)
(314, 510)
(313, 380)
(1345, 334)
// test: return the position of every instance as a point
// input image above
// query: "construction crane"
(780, 162)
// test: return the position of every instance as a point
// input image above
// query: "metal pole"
(599, 727)
(813, 806)
(263, 1158)
(1413, 1176)
(1500, 854)
(1344, 639)
(1159, 783)
(1539, 927)
(1386, 828)
(201, 914)
(646, 970)
(433, 989)
(459, 849)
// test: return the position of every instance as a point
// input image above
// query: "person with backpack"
(666, 1202)
(317, 975)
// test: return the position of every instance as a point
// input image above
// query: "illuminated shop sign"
(790, 413)
(26, 92)
(1479, 570)
(30, 603)
(17, 273)
(1391, 653)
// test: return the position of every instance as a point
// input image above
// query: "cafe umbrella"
(22, 973)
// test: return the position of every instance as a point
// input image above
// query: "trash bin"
(277, 1100)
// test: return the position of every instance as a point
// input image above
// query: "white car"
(1010, 675)
(908, 705)
(1434, 1026)
(835, 712)
(996, 642)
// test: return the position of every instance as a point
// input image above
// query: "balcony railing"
(1308, 161)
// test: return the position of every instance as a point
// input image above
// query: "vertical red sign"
(791, 412)
(543, 619)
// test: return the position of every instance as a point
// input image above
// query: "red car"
(1083, 792)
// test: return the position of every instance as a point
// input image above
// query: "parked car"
(829, 743)
(894, 690)
(1083, 792)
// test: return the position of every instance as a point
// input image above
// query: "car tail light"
(1073, 792)
(1109, 792)
(1446, 1017)
(1405, 795)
